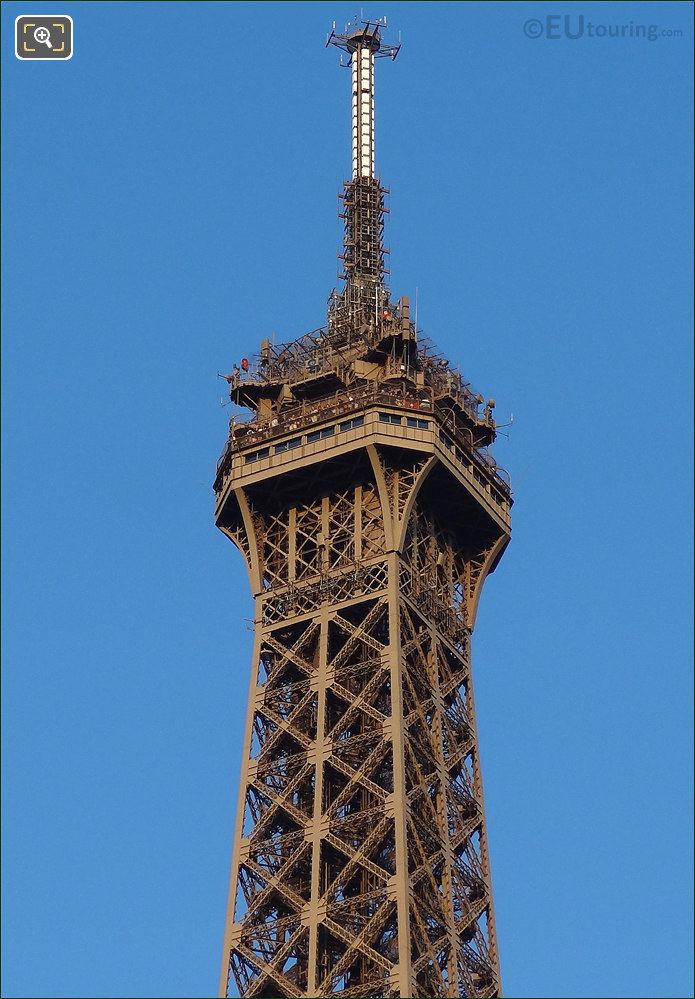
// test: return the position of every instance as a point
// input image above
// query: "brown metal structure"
(369, 512)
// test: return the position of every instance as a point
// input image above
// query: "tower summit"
(361, 493)
(365, 297)
(363, 42)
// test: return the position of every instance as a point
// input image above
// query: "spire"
(356, 311)
(363, 42)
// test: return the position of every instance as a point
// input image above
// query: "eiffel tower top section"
(370, 352)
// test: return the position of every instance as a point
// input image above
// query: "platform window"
(358, 421)
(257, 455)
(318, 435)
(288, 445)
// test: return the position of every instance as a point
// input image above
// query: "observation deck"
(321, 395)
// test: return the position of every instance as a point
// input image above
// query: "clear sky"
(170, 199)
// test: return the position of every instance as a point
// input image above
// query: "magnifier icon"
(43, 36)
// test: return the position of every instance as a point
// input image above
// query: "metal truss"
(360, 864)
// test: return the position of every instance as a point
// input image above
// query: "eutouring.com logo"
(576, 26)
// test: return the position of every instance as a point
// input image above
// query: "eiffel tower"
(361, 492)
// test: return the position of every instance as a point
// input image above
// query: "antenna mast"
(357, 309)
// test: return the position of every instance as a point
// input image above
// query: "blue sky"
(170, 199)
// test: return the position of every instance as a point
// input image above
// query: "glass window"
(295, 442)
(257, 455)
(358, 421)
(287, 445)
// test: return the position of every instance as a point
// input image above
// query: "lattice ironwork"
(361, 863)
(360, 579)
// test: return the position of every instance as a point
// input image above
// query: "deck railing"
(305, 414)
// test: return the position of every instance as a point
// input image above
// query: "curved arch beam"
(491, 558)
(250, 527)
(401, 525)
(382, 487)
(251, 559)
